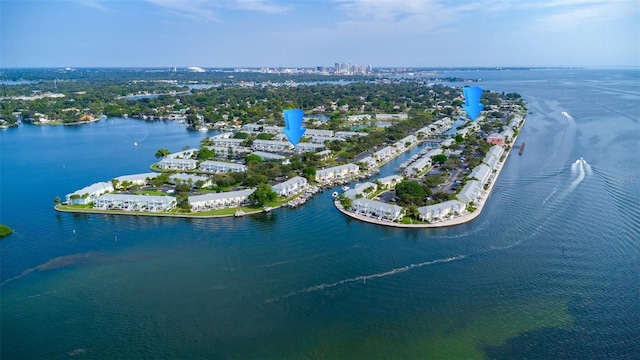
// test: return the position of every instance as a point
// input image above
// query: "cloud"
(94, 4)
(265, 6)
(569, 14)
(191, 9)
(210, 10)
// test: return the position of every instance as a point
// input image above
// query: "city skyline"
(262, 33)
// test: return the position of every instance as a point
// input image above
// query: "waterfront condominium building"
(130, 202)
(291, 186)
(439, 211)
(221, 167)
(377, 209)
(89, 194)
(220, 200)
(337, 172)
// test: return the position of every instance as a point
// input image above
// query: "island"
(5, 231)
(352, 131)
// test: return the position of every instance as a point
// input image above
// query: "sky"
(309, 33)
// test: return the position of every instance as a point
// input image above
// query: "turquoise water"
(548, 270)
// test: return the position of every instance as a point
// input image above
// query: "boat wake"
(580, 169)
(364, 278)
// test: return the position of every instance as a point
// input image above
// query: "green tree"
(410, 192)
(240, 135)
(205, 153)
(263, 194)
(264, 136)
(459, 138)
(162, 153)
(309, 173)
(252, 158)
(440, 158)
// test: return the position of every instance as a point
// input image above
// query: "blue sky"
(252, 33)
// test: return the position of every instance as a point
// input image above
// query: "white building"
(219, 200)
(221, 167)
(273, 129)
(496, 151)
(377, 209)
(361, 189)
(186, 154)
(442, 125)
(384, 153)
(252, 127)
(337, 172)
(177, 164)
(226, 142)
(425, 131)
(348, 134)
(88, 194)
(508, 134)
(137, 179)
(402, 143)
(439, 211)
(448, 142)
(361, 117)
(272, 146)
(321, 139)
(400, 116)
(128, 202)
(422, 163)
(481, 172)
(267, 156)
(304, 147)
(390, 181)
(324, 154)
(369, 162)
(491, 161)
(291, 186)
(470, 192)
(320, 133)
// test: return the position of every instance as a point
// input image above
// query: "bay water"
(548, 270)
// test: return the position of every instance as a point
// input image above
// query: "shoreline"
(445, 223)
(193, 215)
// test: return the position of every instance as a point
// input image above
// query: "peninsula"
(250, 167)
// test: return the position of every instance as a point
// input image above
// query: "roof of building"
(137, 198)
(222, 164)
(135, 177)
(470, 191)
(268, 155)
(349, 166)
(377, 205)
(292, 181)
(435, 208)
(389, 178)
(481, 172)
(97, 187)
(221, 196)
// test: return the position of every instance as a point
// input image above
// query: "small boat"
(521, 149)
(345, 188)
(239, 213)
(203, 129)
(335, 194)
(267, 208)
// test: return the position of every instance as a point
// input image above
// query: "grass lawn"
(410, 220)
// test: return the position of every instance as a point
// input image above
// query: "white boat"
(239, 213)
(335, 194)
(203, 129)
(345, 188)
